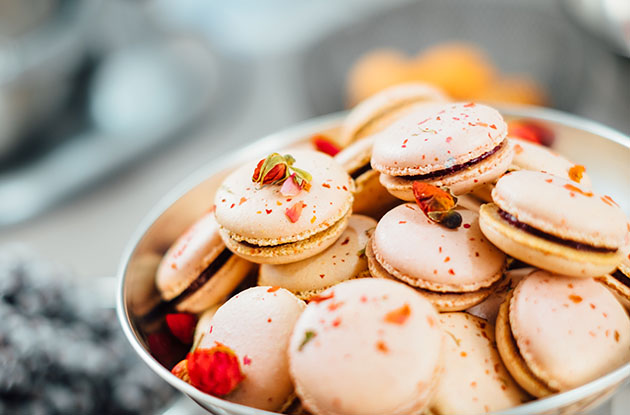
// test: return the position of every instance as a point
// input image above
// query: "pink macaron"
(460, 146)
(555, 224)
(256, 325)
(367, 346)
(454, 268)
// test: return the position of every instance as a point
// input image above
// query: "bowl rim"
(288, 136)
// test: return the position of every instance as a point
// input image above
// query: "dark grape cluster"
(60, 353)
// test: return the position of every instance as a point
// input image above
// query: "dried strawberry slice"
(216, 371)
(182, 325)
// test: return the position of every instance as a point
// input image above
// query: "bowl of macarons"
(415, 255)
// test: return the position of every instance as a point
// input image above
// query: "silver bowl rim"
(287, 136)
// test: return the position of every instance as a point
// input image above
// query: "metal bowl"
(603, 151)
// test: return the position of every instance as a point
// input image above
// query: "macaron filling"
(204, 277)
(621, 277)
(458, 167)
(511, 219)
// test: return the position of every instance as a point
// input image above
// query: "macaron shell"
(203, 325)
(257, 215)
(370, 320)
(569, 331)
(372, 114)
(543, 253)
(355, 156)
(425, 254)
(189, 255)
(219, 286)
(256, 324)
(341, 261)
(617, 288)
(531, 156)
(474, 379)
(485, 172)
(437, 137)
(564, 208)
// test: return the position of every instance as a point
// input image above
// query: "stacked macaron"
(443, 305)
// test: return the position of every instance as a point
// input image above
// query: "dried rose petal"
(431, 198)
(182, 325)
(576, 173)
(398, 316)
(290, 187)
(272, 169)
(577, 190)
(216, 371)
(531, 131)
(181, 370)
(295, 211)
(325, 144)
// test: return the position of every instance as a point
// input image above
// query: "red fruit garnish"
(325, 144)
(437, 203)
(215, 371)
(295, 211)
(181, 370)
(182, 325)
(399, 315)
(531, 131)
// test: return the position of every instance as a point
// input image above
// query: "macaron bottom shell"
(442, 301)
(542, 253)
(460, 182)
(287, 252)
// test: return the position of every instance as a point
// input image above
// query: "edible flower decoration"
(325, 144)
(532, 131)
(216, 371)
(438, 203)
(278, 169)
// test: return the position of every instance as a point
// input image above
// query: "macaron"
(269, 223)
(454, 268)
(555, 333)
(198, 271)
(342, 261)
(203, 325)
(619, 282)
(381, 109)
(457, 145)
(370, 197)
(367, 346)
(555, 224)
(474, 379)
(256, 325)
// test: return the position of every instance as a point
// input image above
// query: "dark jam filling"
(552, 238)
(362, 170)
(619, 276)
(457, 167)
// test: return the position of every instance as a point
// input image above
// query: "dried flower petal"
(437, 203)
(290, 187)
(531, 131)
(182, 325)
(181, 370)
(215, 371)
(577, 190)
(398, 316)
(276, 169)
(577, 172)
(325, 144)
(308, 336)
(295, 211)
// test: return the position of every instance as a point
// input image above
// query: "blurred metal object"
(604, 152)
(39, 52)
(608, 19)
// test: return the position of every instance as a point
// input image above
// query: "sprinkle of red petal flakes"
(336, 322)
(246, 360)
(268, 211)
(448, 258)
(577, 190)
(182, 326)
(345, 241)
(243, 200)
(335, 305)
(575, 298)
(363, 299)
(268, 320)
(295, 211)
(273, 289)
(609, 201)
(549, 180)
(398, 316)
(232, 205)
(518, 149)
(382, 347)
(469, 105)
(325, 145)
(322, 275)
(449, 139)
(326, 185)
(467, 225)
(494, 127)
(402, 221)
(320, 298)
(450, 271)
(577, 172)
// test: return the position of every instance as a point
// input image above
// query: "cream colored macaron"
(474, 379)
(555, 333)
(456, 145)
(454, 268)
(342, 261)
(619, 282)
(385, 107)
(555, 224)
(261, 224)
(198, 271)
(370, 197)
(256, 324)
(367, 346)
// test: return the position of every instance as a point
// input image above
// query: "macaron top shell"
(531, 156)
(474, 379)
(437, 137)
(568, 330)
(256, 324)
(258, 214)
(189, 255)
(386, 100)
(409, 244)
(562, 208)
(341, 261)
(373, 347)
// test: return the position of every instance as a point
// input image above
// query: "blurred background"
(105, 105)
